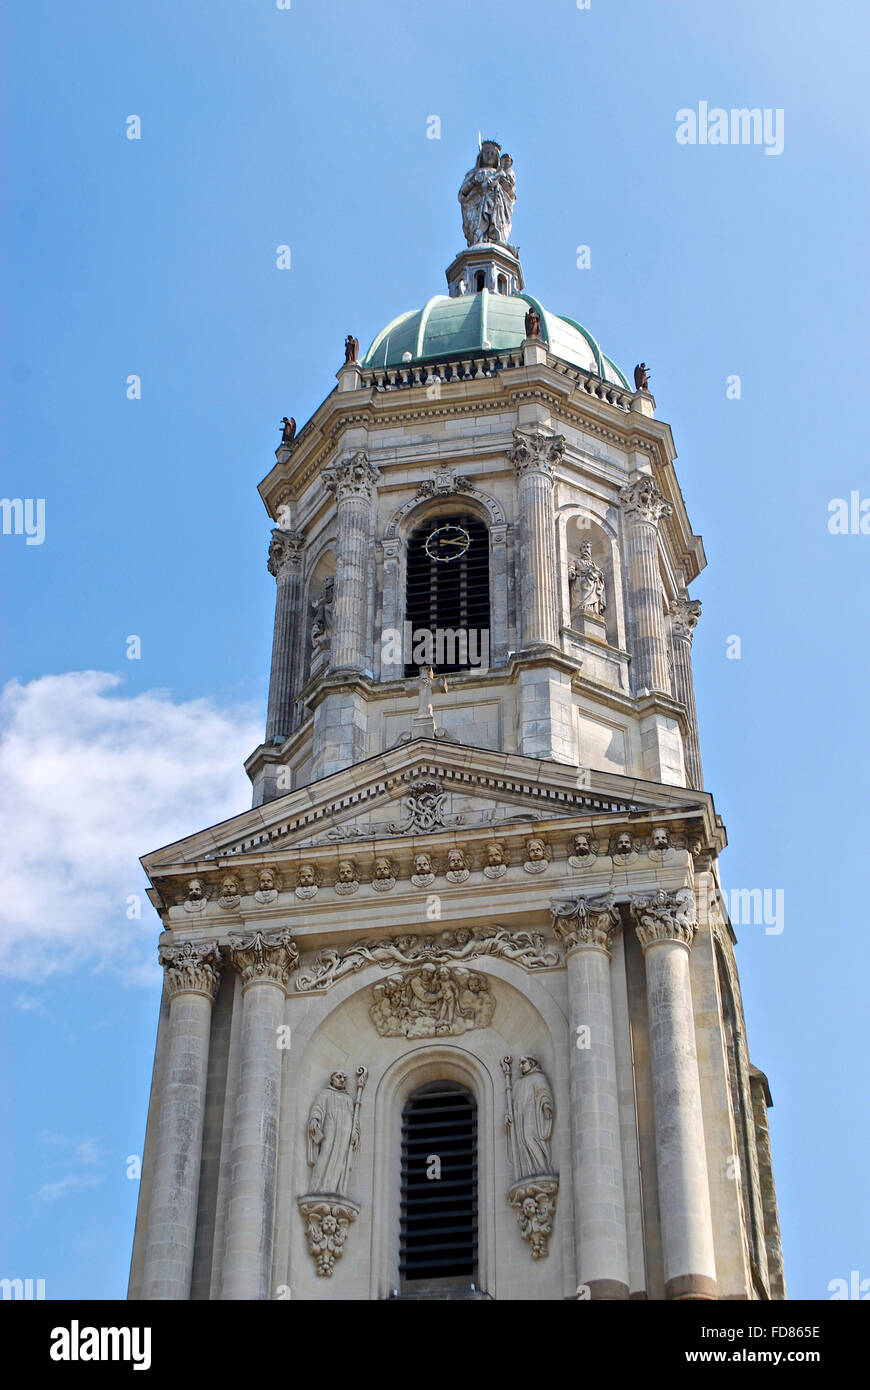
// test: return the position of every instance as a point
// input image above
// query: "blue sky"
(157, 257)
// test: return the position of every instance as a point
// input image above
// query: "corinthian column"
(352, 480)
(684, 615)
(192, 976)
(534, 456)
(586, 929)
(285, 563)
(264, 965)
(644, 508)
(666, 929)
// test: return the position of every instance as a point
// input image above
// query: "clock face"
(446, 543)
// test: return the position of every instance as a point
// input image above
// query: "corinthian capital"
(684, 614)
(351, 476)
(535, 452)
(191, 969)
(285, 552)
(643, 501)
(666, 917)
(585, 922)
(259, 957)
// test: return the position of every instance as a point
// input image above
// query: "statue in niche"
(587, 584)
(348, 878)
(334, 1133)
(487, 197)
(531, 1111)
(321, 624)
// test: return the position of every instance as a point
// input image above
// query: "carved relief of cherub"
(496, 860)
(229, 896)
(457, 869)
(424, 872)
(348, 878)
(267, 886)
(537, 855)
(306, 881)
(384, 878)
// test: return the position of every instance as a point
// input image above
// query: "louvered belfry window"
(451, 596)
(439, 1200)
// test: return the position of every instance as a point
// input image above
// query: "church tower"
(453, 1010)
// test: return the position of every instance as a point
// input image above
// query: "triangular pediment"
(423, 788)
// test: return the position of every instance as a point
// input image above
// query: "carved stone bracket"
(191, 968)
(585, 922)
(327, 1222)
(534, 1201)
(666, 917)
(264, 958)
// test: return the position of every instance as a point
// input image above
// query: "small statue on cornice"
(533, 324)
(351, 349)
(641, 377)
(288, 430)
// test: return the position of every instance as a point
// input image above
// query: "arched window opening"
(502, 284)
(447, 595)
(438, 1250)
(480, 280)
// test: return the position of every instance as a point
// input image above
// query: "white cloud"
(90, 779)
(56, 1191)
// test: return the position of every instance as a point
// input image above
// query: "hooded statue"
(534, 1112)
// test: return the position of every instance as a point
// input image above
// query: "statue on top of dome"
(487, 197)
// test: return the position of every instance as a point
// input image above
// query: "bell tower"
(453, 1010)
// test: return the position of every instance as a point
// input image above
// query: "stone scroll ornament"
(530, 1113)
(333, 1140)
(525, 948)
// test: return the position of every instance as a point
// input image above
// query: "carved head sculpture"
(338, 1081)
(329, 1224)
(383, 869)
(462, 936)
(229, 886)
(455, 861)
(536, 850)
(346, 871)
(624, 843)
(488, 157)
(306, 876)
(495, 854)
(406, 944)
(528, 1064)
(422, 864)
(266, 881)
(195, 893)
(582, 846)
(660, 838)
(529, 1206)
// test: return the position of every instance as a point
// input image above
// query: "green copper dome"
(473, 323)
